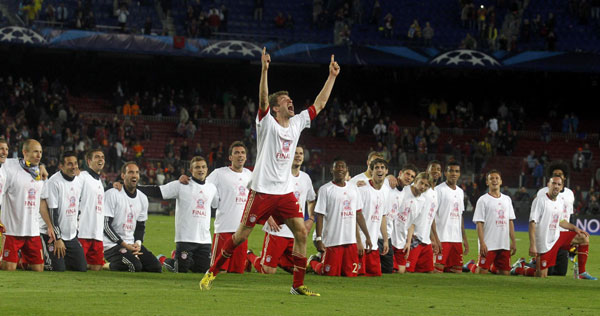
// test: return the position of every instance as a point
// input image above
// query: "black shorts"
(74, 259)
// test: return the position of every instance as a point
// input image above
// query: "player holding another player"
(231, 183)
(125, 216)
(91, 206)
(59, 209)
(406, 206)
(339, 210)
(192, 217)
(278, 243)
(374, 196)
(544, 235)
(449, 222)
(277, 138)
(494, 215)
(20, 191)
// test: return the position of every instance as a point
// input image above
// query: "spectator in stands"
(214, 19)
(375, 13)
(258, 9)
(492, 37)
(388, 26)
(538, 173)
(62, 13)
(190, 130)
(184, 150)
(468, 42)
(138, 150)
(90, 21)
(224, 18)
(122, 13)
(50, 13)
(593, 207)
(587, 155)
(481, 16)
(414, 31)
(546, 132)
(198, 150)
(574, 121)
(380, 130)
(531, 158)
(428, 33)
(578, 159)
(279, 20)
(522, 195)
(344, 35)
(551, 41)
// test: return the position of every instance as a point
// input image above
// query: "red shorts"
(399, 257)
(451, 255)
(499, 258)
(93, 251)
(237, 262)
(260, 206)
(370, 265)
(276, 249)
(340, 261)
(420, 259)
(31, 249)
(548, 259)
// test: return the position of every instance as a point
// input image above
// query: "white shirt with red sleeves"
(20, 195)
(373, 210)
(192, 209)
(448, 218)
(426, 216)
(276, 146)
(408, 207)
(495, 214)
(303, 191)
(546, 214)
(568, 198)
(339, 206)
(63, 195)
(232, 188)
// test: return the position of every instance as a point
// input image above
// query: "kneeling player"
(192, 218)
(406, 207)
(338, 211)
(494, 215)
(544, 234)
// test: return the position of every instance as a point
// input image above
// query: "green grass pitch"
(114, 293)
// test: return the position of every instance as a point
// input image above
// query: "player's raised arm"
(321, 100)
(263, 89)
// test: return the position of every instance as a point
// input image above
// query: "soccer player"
(3, 155)
(270, 195)
(59, 209)
(374, 195)
(20, 191)
(278, 243)
(91, 208)
(406, 205)
(427, 242)
(339, 210)
(362, 178)
(544, 236)
(125, 215)
(231, 183)
(561, 169)
(192, 217)
(449, 222)
(494, 215)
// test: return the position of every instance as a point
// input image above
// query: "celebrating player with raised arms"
(270, 195)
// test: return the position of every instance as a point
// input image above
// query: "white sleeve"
(213, 177)
(321, 206)
(310, 195)
(359, 202)
(110, 202)
(479, 214)
(511, 209)
(170, 190)
(144, 213)
(215, 200)
(51, 193)
(535, 212)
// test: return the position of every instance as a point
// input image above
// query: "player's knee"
(268, 270)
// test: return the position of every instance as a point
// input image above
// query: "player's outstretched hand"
(265, 59)
(334, 68)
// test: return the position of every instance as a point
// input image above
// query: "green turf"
(114, 293)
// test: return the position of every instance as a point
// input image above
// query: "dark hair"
(453, 163)
(434, 162)
(557, 164)
(124, 167)
(376, 161)
(90, 153)
(493, 171)
(410, 166)
(236, 143)
(66, 154)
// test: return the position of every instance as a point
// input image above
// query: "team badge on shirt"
(31, 194)
(252, 218)
(268, 259)
(285, 145)
(6, 253)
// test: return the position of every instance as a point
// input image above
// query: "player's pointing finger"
(264, 50)
(332, 58)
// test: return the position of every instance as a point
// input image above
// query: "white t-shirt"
(91, 219)
(338, 205)
(569, 199)
(192, 209)
(373, 210)
(303, 191)
(63, 195)
(448, 218)
(20, 195)
(232, 195)
(495, 214)
(276, 146)
(426, 216)
(126, 212)
(408, 207)
(547, 215)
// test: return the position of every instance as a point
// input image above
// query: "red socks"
(225, 254)
(582, 256)
(299, 269)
